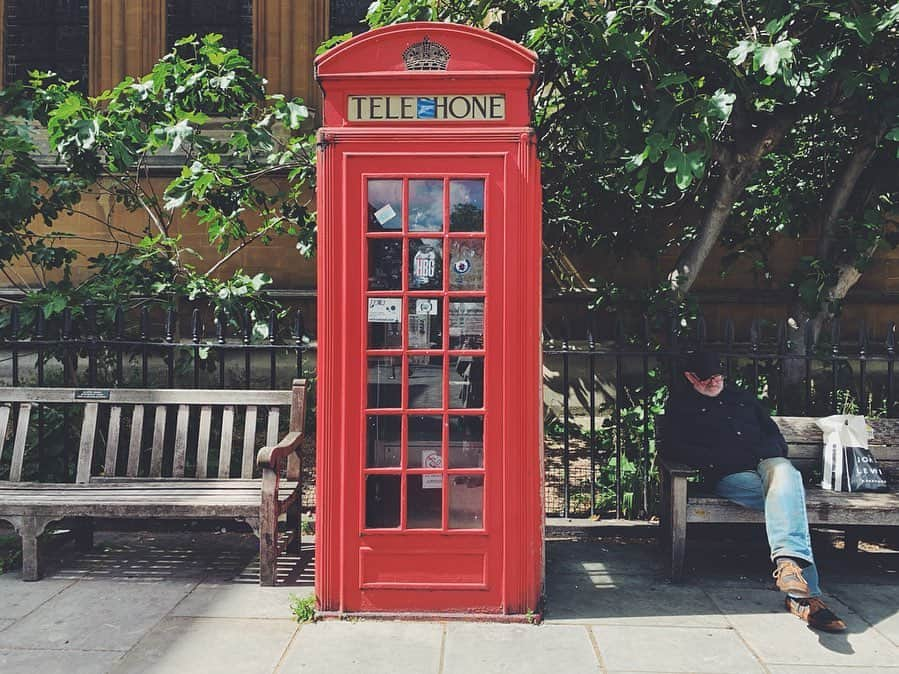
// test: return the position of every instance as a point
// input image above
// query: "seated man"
(728, 435)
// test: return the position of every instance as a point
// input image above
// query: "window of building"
(46, 35)
(233, 19)
(347, 16)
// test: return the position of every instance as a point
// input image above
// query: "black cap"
(704, 364)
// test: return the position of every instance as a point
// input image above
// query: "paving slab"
(70, 662)
(673, 649)
(239, 600)
(5, 623)
(599, 601)
(780, 638)
(179, 645)
(801, 669)
(876, 604)
(474, 647)
(365, 647)
(18, 598)
(95, 615)
(602, 557)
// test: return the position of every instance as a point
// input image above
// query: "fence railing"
(602, 390)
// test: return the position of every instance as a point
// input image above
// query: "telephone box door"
(429, 456)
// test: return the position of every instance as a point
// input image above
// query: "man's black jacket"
(726, 434)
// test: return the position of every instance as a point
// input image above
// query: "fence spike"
(835, 336)
(673, 329)
(14, 323)
(891, 339)
(119, 321)
(862, 338)
(90, 314)
(646, 332)
(591, 340)
(219, 327)
(272, 327)
(40, 325)
(565, 332)
(809, 337)
(729, 334)
(298, 327)
(144, 323)
(247, 326)
(782, 338)
(754, 330)
(67, 323)
(170, 325)
(195, 329)
(619, 331)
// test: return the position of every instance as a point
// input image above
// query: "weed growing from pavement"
(303, 608)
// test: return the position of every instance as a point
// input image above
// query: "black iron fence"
(602, 390)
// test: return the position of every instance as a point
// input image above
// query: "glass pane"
(466, 264)
(466, 324)
(466, 386)
(425, 323)
(424, 501)
(385, 205)
(385, 328)
(466, 442)
(426, 205)
(425, 436)
(382, 501)
(466, 205)
(425, 381)
(384, 376)
(425, 264)
(384, 442)
(385, 264)
(466, 502)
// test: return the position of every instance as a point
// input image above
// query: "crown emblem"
(426, 55)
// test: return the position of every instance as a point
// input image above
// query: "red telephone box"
(429, 455)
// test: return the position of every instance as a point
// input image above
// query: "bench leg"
(30, 528)
(84, 534)
(678, 524)
(294, 528)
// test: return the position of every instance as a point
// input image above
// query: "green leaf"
(673, 79)
(743, 49)
(685, 166)
(771, 57)
(187, 39)
(720, 104)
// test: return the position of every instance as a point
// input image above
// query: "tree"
(675, 120)
(243, 164)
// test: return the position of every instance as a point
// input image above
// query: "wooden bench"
(155, 453)
(842, 510)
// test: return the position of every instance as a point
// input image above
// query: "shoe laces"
(788, 568)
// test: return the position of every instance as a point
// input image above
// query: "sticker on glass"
(384, 310)
(426, 307)
(431, 458)
(462, 266)
(424, 266)
(385, 214)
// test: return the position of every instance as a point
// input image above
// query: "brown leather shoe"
(815, 613)
(789, 579)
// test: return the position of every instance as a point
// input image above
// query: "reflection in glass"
(425, 436)
(425, 323)
(466, 442)
(424, 501)
(383, 441)
(384, 375)
(466, 324)
(382, 501)
(466, 501)
(426, 205)
(385, 322)
(425, 264)
(385, 205)
(466, 205)
(466, 385)
(385, 264)
(425, 381)
(466, 264)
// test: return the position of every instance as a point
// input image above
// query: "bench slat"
(86, 446)
(112, 440)
(271, 433)
(178, 460)
(158, 441)
(249, 443)
(18, 450)
(123, 396)
(203, 442)
(227, 435)
(134, 446)
(4, 425)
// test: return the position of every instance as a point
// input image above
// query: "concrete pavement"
(189, 602)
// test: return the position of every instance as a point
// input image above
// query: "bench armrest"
(269, 457)
(676, 468)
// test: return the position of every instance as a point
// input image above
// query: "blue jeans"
(775, 488)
